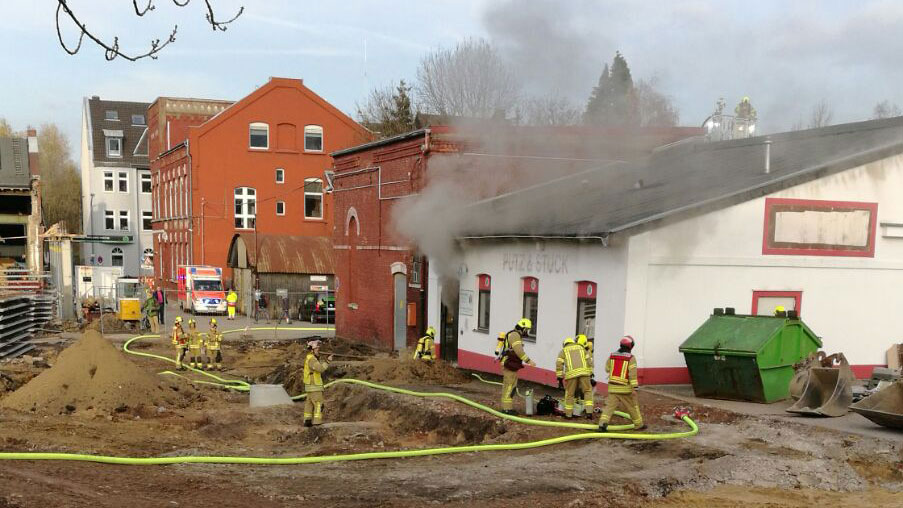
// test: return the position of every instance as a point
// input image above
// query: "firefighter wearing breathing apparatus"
(179, 341)
(313, 384)
(573, 371)
(424, 349)
(513, 359)
(195, 342)
(213, 347)
(622, 381)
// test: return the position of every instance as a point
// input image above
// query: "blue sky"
(785, 55)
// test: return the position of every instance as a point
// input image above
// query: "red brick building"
(256, 165)
(371, 180)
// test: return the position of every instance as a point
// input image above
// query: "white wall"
(557, 308)
(679, 272)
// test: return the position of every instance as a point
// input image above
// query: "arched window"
(259, 136)
(117, 258)
(148, 257)
(245, 207)
(313, 138)
(313, 198)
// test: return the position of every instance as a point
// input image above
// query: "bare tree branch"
(112, 51)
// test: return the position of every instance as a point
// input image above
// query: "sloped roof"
(132, 135)
(284, 253)
(14, 168)
(686, 176)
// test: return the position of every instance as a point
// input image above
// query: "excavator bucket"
(884, 407)
(828, 392)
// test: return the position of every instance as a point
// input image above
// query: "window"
(109, 219)
(313, 198)
(313, 138)
(124, 220)
(146, 218)
(117, 256)
(280, 207)
(484, 282)
(586, 309)
(416, 268)
(245, 208)
(111, 115)
(764, 302)
(259, 136)
(123, 181)
(138, 120)
(114, 147)
(108, 181)
(145, 182)
(147, 258)
(531, 304)
(280, 175)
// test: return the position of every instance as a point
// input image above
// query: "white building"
(116, 185)
(812, 220)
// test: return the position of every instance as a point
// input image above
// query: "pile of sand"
(91, 375)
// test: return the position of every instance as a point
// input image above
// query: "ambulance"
(201, 289)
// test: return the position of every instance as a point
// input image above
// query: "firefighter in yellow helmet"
(513, 360)
(622, 381)
(780, 311)
(195, 342)
(213, 347)
(587, 344)
(424, 349)
(573, 371)
(313, 384)
(179, 341)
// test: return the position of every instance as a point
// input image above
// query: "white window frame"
(111, 118)
(122, 176)
(114, 153)
(128, 220)
(146, 178)
(259, 125)
(109, 176)
(109, 215)
(246, 195)
(278, 203)
(280, 175)
(146, 215)
(312, 194)
(314, 129)
(117, 252)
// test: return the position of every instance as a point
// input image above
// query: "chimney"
(33, 164)
(767, 156)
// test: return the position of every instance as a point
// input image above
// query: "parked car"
(324, 311)
(309, 304)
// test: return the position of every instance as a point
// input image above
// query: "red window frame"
(796, 295)
(772, 205)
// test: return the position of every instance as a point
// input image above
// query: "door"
(401, 311)
(448, 333)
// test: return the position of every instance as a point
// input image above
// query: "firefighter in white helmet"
(313, 384)
(424, 349)
(513, 359)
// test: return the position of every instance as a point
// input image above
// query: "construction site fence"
(28, 303)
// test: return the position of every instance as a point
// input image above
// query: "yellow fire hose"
(244, 386)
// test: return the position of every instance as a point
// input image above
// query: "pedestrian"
(313, 384)
(179, 341)
(424, 349)
(513, 360)
(622, 381)
(150, 310)
(285, 309)
(160, 296)
(573, 371)
(258, 303)
(231, 300)
(213, 347)
(195, 342)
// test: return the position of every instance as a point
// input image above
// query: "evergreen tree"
(388, 112)
(613, 100)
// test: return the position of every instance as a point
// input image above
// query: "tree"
(821, 115)
(388, 111)
(6, 130)
(111, 49)
(60, 180)
(549, 110)
(654, 109)
(886, 109)
(470, 80)
(612, 101)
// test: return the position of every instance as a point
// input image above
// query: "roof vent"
(95, 97)
(767, 156)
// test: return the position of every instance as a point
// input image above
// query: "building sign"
(539, 263)
(805, 227)
(318, 278)
(465, 302)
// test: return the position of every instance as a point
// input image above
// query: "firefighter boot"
(603, 427)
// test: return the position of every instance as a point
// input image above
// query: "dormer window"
(111, 115)
(114, 147)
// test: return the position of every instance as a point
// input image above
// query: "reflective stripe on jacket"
(313, 373)
(178, 336)
(424, 347)
(214, 338)
(621, 369)
(572, 362)
(195, 341)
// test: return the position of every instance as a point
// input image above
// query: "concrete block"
(269, 395)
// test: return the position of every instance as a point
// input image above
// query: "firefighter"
(179, 341)
(195, 342)
(313, 384)
(231, 300)
(513, 360)
(424, 349)
(622, 381)
(213, 347)
(587, 344)
(780, 311)
(573, 371)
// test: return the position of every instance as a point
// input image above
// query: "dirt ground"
(734, 459)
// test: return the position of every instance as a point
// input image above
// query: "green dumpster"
(751, 358)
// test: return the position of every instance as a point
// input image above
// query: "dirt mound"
(91, 375)
(404, 371)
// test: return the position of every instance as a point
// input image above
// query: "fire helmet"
(213, 321)
(431, 331)
(627, 342)
(582, 340)
(569, 340)
(525, 324)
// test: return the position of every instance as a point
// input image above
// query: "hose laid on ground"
(240, 385)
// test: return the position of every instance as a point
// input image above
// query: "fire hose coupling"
(680, 412)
